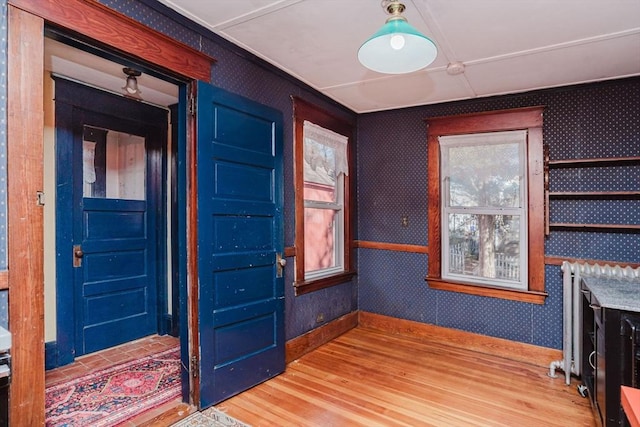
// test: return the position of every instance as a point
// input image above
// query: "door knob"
(280, 263)
(77, 256)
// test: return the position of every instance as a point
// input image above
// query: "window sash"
(494, 138)
(338, 232)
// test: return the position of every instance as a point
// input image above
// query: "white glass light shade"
(385, 52)
(132, 85)
(131, 88)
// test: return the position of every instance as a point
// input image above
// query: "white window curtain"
(332, 140)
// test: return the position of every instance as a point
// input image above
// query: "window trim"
(303, 110)
(529, 119)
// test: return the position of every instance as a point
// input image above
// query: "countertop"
(621, 294)
(630, 400)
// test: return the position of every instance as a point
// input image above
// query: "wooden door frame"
(25, 123)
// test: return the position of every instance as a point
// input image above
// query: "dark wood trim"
(25, 220)
(557, 260)
(4, 279)
(109, 30)
(290, 251)
(192, 250)
(535, 180)
(487, 121)
(304, 110)
(397, 247)
(118, 31)
(488, 291)
(304, 287)
(303, 344)
(298, 185)
(433, 208)
(529, 119)
(512, 350)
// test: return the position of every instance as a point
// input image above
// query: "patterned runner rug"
(113, 395)
(211, 417)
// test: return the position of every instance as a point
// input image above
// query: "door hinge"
(195, 368)
(40, 198)
(192, 105)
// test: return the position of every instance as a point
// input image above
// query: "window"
(486, 204)
(322, 199)
(484, 221)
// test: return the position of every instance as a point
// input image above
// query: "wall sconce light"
(130, 88)
(397, 47)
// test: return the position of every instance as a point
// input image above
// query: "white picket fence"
(507, 267)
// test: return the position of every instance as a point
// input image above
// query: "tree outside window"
(484, 220)
(486, 204)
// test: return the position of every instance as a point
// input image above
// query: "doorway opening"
(111, 285)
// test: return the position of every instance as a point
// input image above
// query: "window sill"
(487, 291)
(305, 287)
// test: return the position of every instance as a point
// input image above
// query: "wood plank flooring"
(368, 378)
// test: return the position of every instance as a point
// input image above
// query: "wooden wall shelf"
(613, 228)
(595, 162)
(594, 194)
(587, 195)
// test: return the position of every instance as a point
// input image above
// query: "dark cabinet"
(609, 357)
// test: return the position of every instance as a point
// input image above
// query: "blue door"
(109, 180)
(240, 239)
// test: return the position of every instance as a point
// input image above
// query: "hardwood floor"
(369, 378)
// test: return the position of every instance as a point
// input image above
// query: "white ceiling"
(507, 46)
(82, 66)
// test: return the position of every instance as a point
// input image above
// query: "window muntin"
(484, 219)
(324, 168)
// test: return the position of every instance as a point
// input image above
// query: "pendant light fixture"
(130, 88)
(397, 47)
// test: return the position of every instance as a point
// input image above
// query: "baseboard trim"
(299, 346)
(512, 350)
(50, 355)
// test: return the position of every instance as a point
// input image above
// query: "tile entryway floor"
(103, 359)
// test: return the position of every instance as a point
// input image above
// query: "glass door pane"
(113, 164)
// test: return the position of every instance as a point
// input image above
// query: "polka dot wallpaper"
(240, 72)
(597, 120)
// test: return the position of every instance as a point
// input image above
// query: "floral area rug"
(116, 394)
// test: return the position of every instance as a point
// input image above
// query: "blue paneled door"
(108, 218)
(240, 239)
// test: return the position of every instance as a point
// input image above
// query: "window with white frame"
(484, 208)
(325, 166)
(323, 198)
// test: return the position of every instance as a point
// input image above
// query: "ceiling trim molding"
(99, 22)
